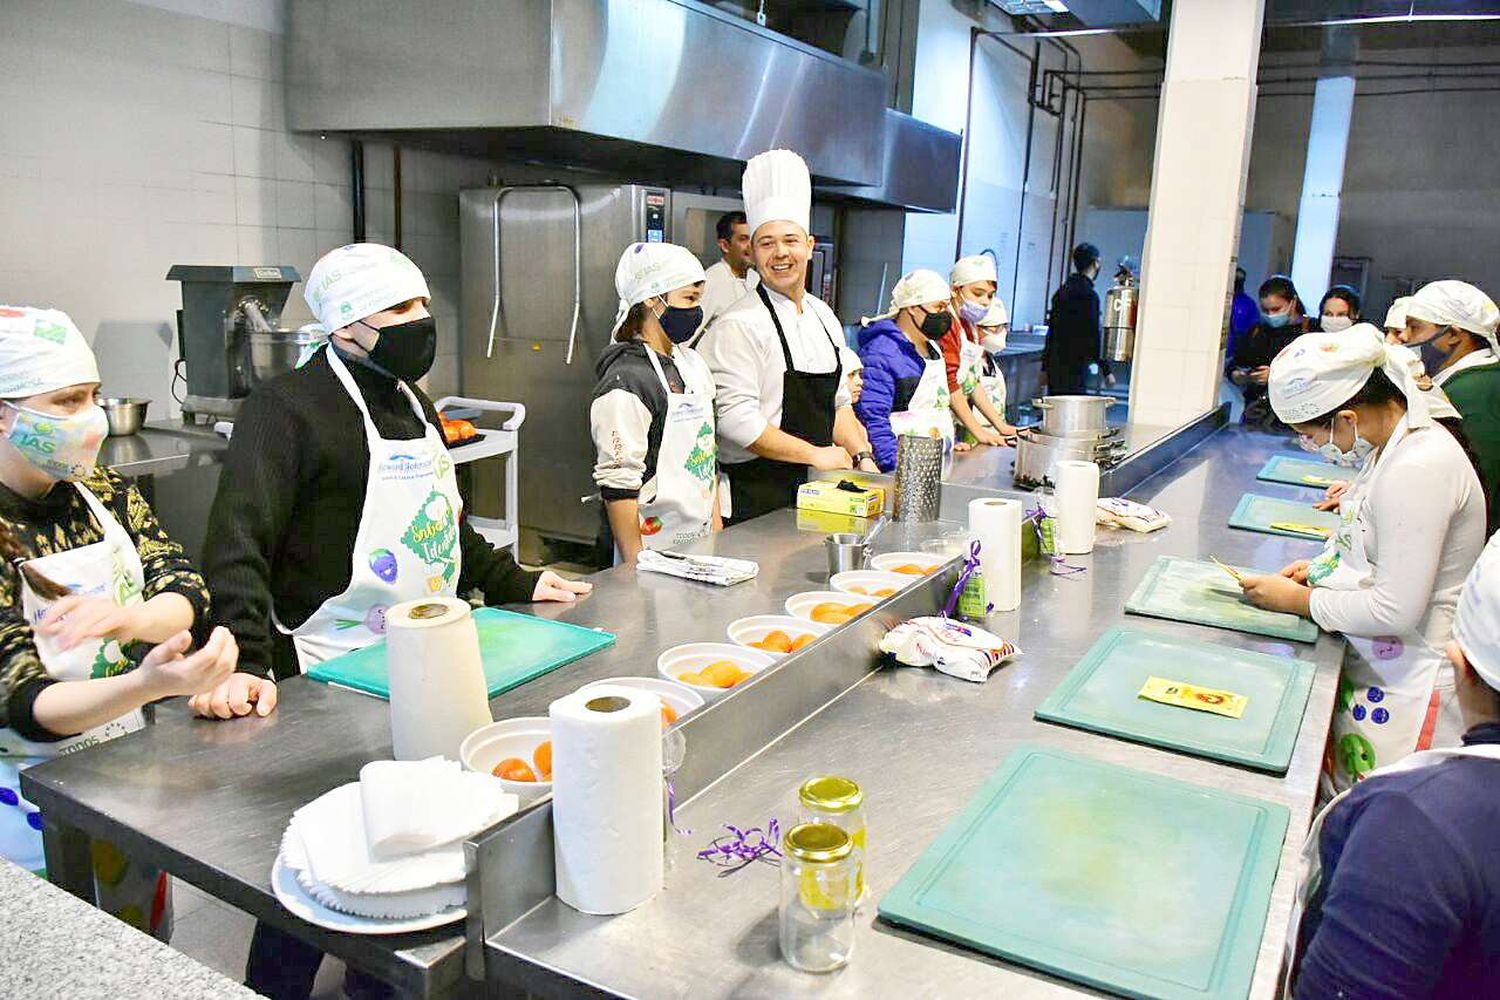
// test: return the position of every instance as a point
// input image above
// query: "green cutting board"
(1258, 513)
(1185, 590)
(1125, 881)
(1100, 694)
(1297, 470)
(515, 648)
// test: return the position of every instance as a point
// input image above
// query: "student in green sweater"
(1453, 324)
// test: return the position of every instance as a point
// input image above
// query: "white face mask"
(993, 342)
(1331, 452)
(1336, 324)
(64, 447)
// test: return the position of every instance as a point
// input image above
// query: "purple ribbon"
(739, 849)
(672, 810)
(971, 566)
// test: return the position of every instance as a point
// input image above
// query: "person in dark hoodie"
(652, 412)
(906, 379)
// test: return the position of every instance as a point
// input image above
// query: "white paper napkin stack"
(391, 844)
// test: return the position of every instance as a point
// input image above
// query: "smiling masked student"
(96, 600)
(1411, 525)
(652, 414)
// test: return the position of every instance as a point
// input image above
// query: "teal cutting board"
(1100, 694)
(1185, 590)
(1100, 874)
(1297, 470)
(515, 649)
(1258, 513)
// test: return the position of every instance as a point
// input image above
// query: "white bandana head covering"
(1439, 407)
(647, 270)
(919, 288)
(358, 280)
(852, 361)
(41, 351)
(777, 188)
(996, 316)
(975, 267)
(1319, 372)
(1477, 623)
(1456, 303)
(1395, 316)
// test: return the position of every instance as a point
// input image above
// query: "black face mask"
(680, 323)
(405, 351)
(935, 325)
(1433, 357)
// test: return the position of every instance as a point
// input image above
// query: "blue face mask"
(680, 323)
(1433, 357)
(1275, 320)
(972, 312)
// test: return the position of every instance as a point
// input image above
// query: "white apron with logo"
(407, 543)
(927, 413)
(970, 362)
(687, 463)
(109, 568)
(1387, 682)
(1310, 864)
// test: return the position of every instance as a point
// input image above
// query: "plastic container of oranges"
(711, 669)
(775, 634)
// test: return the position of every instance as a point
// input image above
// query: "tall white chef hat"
(919, 288)
(996, 315)
(777, 188)
(647, 270)
(41, 350)
(1318, 372)
(1456, 303)
(1395, 316)
(975, 267)
(358, 280)
(1477, 624)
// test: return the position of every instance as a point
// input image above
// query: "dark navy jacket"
(893, 370)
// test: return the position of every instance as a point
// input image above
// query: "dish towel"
(717, 570)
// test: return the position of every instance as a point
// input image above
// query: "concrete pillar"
(1322, 183)
(1197, 200)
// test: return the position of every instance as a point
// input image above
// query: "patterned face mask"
(65, 447)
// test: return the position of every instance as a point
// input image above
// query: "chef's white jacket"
(744, 354)
(721, 289)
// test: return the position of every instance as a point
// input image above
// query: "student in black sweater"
(338, 500)
(294, 498)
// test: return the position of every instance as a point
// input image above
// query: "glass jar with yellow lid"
(816, 916)
(833, 799)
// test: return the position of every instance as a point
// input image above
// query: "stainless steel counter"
(161, 448)
(921, 744)
(209, 801)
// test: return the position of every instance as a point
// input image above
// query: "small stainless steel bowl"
(125, 416)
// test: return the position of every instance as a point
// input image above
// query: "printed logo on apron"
(406, 545)
(687, 461)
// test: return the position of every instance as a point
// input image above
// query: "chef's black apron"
(762, 485)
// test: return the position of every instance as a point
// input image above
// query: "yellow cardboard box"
(827, 496)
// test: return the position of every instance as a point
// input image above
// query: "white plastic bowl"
(694, 656)
(864, 583)
(888, 562)
(488, 745)
(744, 631)
(801, 605)
(679, 697)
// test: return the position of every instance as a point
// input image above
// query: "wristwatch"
(864, 456)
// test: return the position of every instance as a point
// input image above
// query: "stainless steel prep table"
(209, 801)
(176, 467)
(921, 744)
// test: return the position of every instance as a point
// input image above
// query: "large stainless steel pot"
(1074, 416)
(1038, 454)
(275, 352)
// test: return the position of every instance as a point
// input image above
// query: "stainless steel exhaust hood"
(664, 91)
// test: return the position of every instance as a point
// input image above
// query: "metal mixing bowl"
(125, 415)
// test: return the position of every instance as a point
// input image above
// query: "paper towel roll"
(437, 678)
(996, 524)
(607, 798)
(1077, 506)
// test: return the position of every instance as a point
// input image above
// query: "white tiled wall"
(138, 136)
